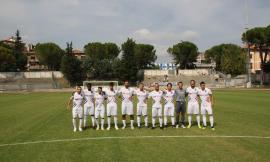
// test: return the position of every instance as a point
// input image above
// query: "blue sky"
(159, 22)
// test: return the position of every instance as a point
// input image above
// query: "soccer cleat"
(177, 126)
(199, 126)
(132, 127)
(123, 127)
(213, 128)
(153, 127)
(108, 128)
(183, 126)
(116, 128)
(97, 128)
(102, 128)
(80, 129)
(74, 130)
(204, 127)
(189, 126)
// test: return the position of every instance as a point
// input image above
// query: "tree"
(71, 67)
(145, 55)
(99, 59)
(129, 68)
(229, 58)
(49, 54)
(20, 57)
(184, 54)
(99, 51)
(7, 60)
(258, 38)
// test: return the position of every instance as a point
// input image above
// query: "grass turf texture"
(43, 116)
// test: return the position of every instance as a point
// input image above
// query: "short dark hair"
(88, 84)
(180, 82)
(99, 87)
(169, 84)
(192, 80)
(202, 83)
(126, 81)
(111, 84)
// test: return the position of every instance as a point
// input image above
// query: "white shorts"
(156, 112)
(100, 111)
(127, 108)
(169, 109)
(193, 108)
(206, 109)
(89, 109)
(111, 109)
(142, 109)
(77, 112)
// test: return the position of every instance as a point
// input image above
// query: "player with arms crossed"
(99, 107)
(127, 105)
(156, 95)
(169, 105)
(89, 108)
(77, 110)
(142, 95)
(206, 104)
(193, 104)
(111, 106)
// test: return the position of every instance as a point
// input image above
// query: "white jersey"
(205, 96)
(99, 99)
(89, 97)
(126, 94)
(77, 99)
(156, 96)
(192, 94)
(111, 96)
(169, 96)
(141, 96)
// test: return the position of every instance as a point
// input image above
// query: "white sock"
(198, 119)
(139, 121)
(93, 120)
(204, 119)
(211, 119)
(109, 121)
(189, 119)
(81, 122)
(102, 122)
(115, 121)
(165, 120)
(173, 122)
(124, 123)
(85, 121)
(153, 122)
(146, 121)
(131, 123)
(74, 123)
(160, 121)
(97, 122)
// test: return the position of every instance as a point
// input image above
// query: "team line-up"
(87, 102)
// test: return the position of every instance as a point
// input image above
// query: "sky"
(161, 23)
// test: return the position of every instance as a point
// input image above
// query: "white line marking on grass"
(125, 137)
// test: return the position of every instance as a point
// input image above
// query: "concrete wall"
(34, 75)
(158, 72)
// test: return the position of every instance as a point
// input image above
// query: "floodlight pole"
(248, 80)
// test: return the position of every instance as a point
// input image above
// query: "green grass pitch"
(27, 117)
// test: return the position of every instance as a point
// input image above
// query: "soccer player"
(77, 110)
(127, 105)
(142, 95)
(89, 108)
(206, 104)
(180, 94)
(156, 95)
(169, 105)
(99, 107)
(111, 106)
(193, 104)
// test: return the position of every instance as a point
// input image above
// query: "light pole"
(248, 80)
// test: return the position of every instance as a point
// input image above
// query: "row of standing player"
(88, 103)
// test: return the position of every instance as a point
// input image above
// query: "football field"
(37, 127)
